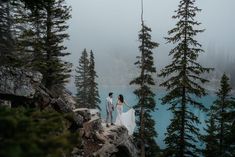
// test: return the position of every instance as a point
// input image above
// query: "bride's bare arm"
(116, 104)
(126, 104)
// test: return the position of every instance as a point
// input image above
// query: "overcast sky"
(110, 28)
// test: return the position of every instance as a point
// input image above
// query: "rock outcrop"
(24, 87)
(20, 86)
(18, 82)
(102, 141)
(118, 143)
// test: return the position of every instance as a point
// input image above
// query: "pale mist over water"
(110, 28)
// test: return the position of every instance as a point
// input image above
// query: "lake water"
(162, 116)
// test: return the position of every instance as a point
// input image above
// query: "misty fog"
(110, 28)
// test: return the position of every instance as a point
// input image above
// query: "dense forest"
(32, 37)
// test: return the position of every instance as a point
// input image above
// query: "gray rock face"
(61, 106)
(118, 143)
(19, 82)
(25, 85)
(84, 112)
(68, 99)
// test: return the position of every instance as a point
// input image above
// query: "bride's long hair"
(121, 98)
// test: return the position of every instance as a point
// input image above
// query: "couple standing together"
(126, 119)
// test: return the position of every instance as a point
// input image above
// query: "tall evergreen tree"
(210, 139)
(7, 56)
(184, 85)
(145, 133)
(35, 46)
(41, 41)
(82, 80)
(221, 107)
(93, 92)
(56, 71)
(28, 32)
(230, 138)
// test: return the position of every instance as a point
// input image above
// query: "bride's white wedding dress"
(126, 119)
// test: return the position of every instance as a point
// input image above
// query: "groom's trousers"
(109, 116)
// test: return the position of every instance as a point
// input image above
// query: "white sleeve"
(107, 103)
(111, 101)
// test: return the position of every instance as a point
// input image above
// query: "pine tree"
(93, 92)
(33, 39)
(41, 42)
(230, 138)
(221, 107)
(210, 139)
(32, 4)
(28, 34)
(145, 133)
(56, 71)
(184, 85)
(82, 80)
(7, 57)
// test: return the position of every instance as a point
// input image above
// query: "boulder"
(118, 143)
(67, 97)
(60, 106)
(92, 122)
(25, 85)
(95, 112)
(84, 112)
(20, 86)
(18, 82)
(92, 126)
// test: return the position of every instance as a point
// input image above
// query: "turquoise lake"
(162, 116)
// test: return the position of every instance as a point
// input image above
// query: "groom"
(109, 109)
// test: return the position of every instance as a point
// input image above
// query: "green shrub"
(33, 133)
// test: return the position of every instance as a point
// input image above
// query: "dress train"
(126, 119)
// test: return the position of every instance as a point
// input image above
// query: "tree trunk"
(221, 139)
(48, 81)
(182, 129)
(142, 149)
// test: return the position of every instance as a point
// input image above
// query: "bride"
(125, 118)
